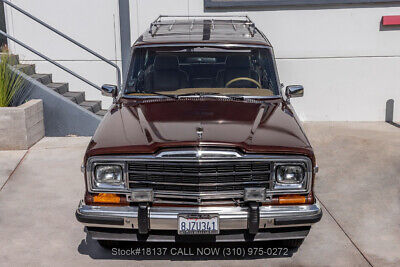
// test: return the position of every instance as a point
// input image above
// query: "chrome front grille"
(199, 176)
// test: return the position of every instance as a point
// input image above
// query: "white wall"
(90, 22)
(349, 67)
(344, 89)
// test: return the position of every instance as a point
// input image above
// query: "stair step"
(28, 69)
(93, 106)
(101, 112)
(60, 88)
(42, 78)
(77, 97)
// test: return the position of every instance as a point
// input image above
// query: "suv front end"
(164, 197)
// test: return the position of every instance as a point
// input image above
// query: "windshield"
(201, 70)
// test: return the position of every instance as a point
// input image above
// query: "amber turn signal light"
(106, 198)
(292, 199)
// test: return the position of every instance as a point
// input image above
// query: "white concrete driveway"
(358, 184)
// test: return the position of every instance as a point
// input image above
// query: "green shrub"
(11, 84)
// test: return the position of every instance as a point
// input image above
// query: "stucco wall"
(349, 66)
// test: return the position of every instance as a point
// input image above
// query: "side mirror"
(294, 91)
(109, 90)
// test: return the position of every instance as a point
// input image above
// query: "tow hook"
(253, 219)
(143, 218)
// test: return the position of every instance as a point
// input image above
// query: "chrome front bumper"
(230, 218)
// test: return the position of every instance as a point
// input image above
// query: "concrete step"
(28, 69)
(60, 88)
(101, 112)
(42, 78)
(93, 106)
(77, 97)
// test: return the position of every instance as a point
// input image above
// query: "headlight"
(291, 177)
(288, 174)
(108, 177)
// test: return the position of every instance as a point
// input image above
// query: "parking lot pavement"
(357, 184)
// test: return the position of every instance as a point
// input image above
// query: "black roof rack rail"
(165, 20)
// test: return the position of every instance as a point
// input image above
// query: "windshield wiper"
(231, 96)
(236, 97)
(171, 96)
(199, 94)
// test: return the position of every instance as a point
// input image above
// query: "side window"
(269, 77)
(136, 67)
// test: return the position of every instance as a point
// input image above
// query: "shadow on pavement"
(185, 251)
(394, 124)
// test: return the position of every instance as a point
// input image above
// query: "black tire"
(292, 243)
(109, 244)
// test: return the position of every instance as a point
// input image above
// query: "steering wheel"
(243, 79)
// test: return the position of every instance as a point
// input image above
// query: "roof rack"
(165, 20)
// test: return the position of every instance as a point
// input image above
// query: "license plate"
(198, 224)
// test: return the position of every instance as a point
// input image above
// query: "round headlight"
(108, 176)
(289, 174)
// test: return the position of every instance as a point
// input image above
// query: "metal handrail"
(66, 37)
(50, 60)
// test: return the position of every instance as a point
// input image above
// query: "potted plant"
(21, 122)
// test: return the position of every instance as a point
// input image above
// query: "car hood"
(148, 126)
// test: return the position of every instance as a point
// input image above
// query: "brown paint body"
(147, 126)
(137, 127)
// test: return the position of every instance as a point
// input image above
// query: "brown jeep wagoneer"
(200, 144)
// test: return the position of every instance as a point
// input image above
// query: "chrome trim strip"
(152, 157)
(199, 153)
(165, 218)
(197, 175)
(200, 184)
(185, 202)
(194, 195)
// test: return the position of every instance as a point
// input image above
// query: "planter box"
(21, 127)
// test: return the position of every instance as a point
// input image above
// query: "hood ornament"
(199, 131)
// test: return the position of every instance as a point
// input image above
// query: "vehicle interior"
(247, 72)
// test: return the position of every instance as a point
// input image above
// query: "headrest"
(237, 61)
(166, 63)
